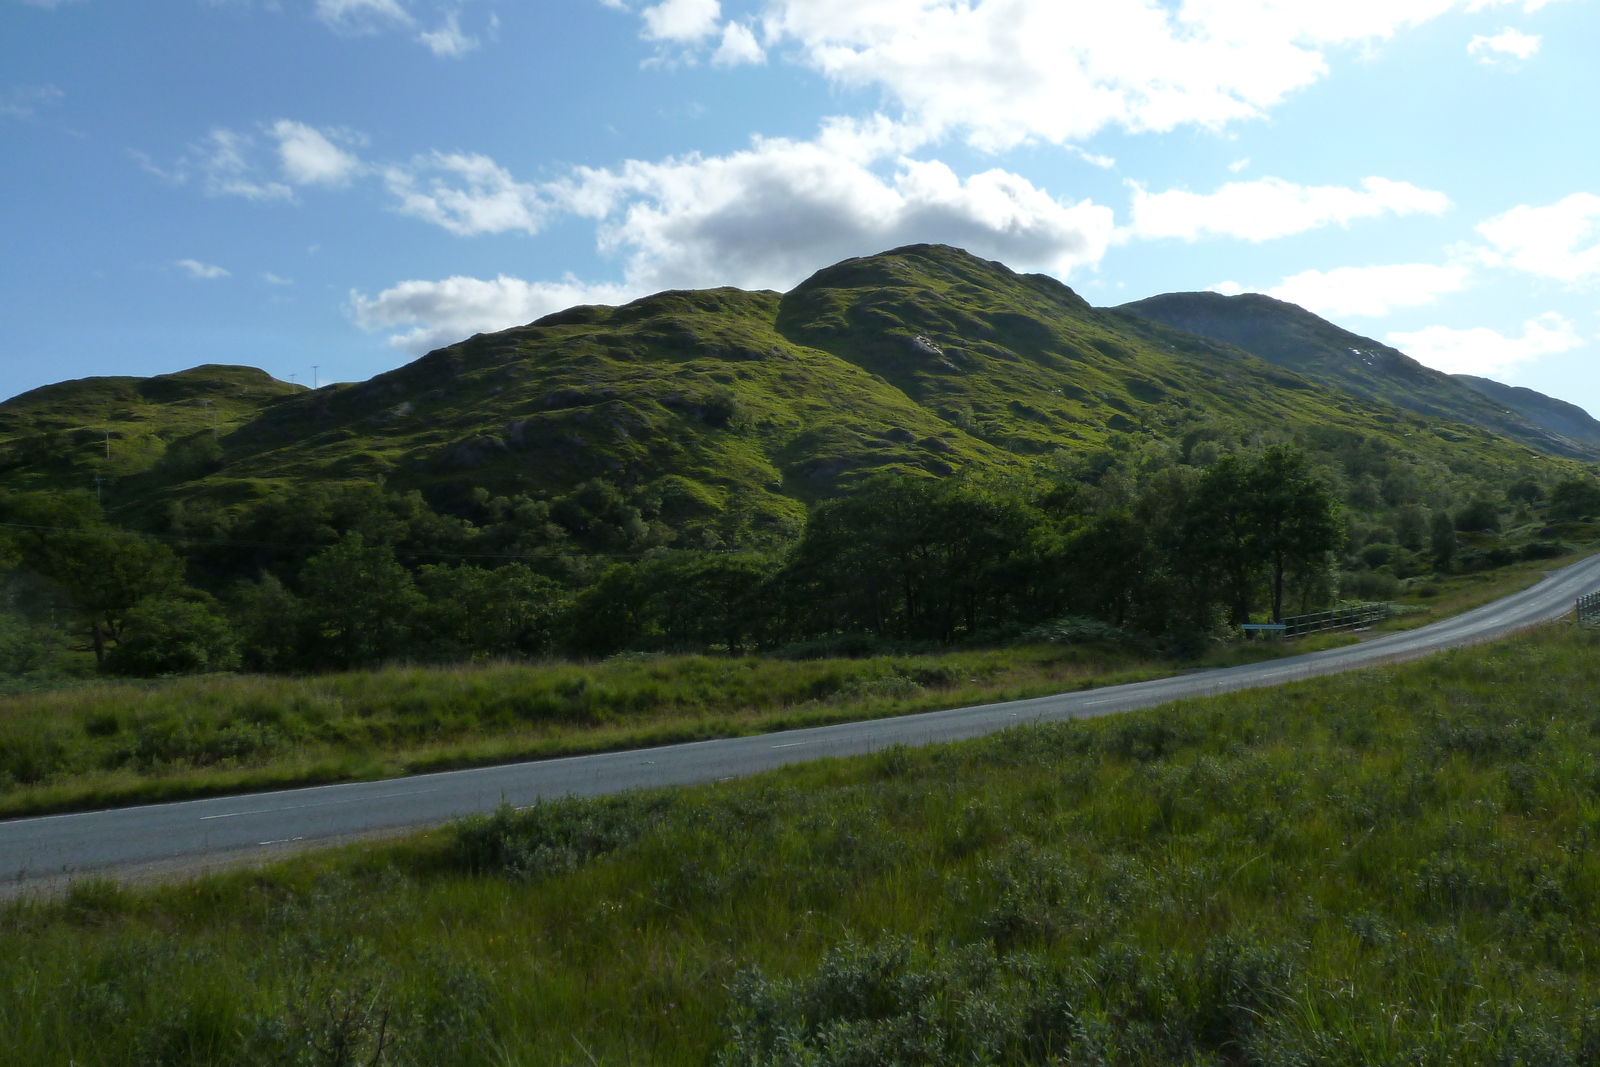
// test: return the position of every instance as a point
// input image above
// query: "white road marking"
(319, 804)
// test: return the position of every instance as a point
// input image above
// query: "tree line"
(1187, 553)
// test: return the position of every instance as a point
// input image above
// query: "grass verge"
(1388, 866)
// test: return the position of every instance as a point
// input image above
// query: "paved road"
(39, 851)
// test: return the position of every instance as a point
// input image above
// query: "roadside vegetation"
(1392, 866)
(131, 742)
(73, 744)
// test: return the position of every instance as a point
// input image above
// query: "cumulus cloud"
(1506, 48)
(1009, 71)
(467, 194)
(765, 217)
(1369, 290)
(308, 157)
(202, 271)
(768, 216)
(1555, 241)
(682, 20)
(1270, 208)
(1484, 351)
(443, 312)
(739, 45)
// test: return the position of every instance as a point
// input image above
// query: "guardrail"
(1588, 610)
(1344, 617)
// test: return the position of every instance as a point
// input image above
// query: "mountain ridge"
(726, 409)
(1556, 415)
(1289, 336)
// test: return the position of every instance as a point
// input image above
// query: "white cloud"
(1505, 48)
(1239, 164)
(308, 157)
(1009, 71)
(448, 40)
(1369, 290)
(1556, 241)
(1270, 208)
(223, 161)
(765, 217)
(1484, 351)
(203, 271)
(24, 102)
(272, 279)
(466, 194)
(739, 45)
(363, 16)
(768, 216)
(682, 20)
(443, 312)
(229, 163)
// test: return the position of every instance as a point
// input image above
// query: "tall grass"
(146, 741)
(1395, 866)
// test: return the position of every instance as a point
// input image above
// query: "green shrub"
(26, 647)
(1543, 550)
(1479, 515)
(170, 636)
(1369, 585)
(554, 835)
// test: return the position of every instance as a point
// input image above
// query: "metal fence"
(1344, 617)
(1588, 608)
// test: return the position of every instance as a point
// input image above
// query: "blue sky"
(347, 183)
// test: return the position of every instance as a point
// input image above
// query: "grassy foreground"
(1392, 866)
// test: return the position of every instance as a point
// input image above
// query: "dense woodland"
(1115, 547)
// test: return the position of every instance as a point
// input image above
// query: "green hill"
(1291, 337)
(71, 433)
(1557, 416)
(924, 360)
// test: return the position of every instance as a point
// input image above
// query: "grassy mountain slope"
(68, 434)
(1557, 416)
(1291, 337)
(924, 359)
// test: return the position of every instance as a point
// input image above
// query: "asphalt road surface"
(192, 835)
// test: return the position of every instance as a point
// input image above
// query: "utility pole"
(97, 481)
(316, 383)
(108, 446)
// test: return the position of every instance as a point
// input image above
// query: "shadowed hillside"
(1557, 416)
(1292, 337)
